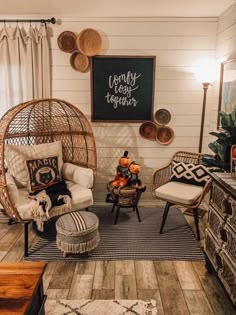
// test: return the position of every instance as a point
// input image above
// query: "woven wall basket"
(165, 135)
(89, 42)
(162, 116)
(67, 41)
(148, 130)
(79, 62)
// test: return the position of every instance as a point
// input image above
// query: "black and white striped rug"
(130, 239)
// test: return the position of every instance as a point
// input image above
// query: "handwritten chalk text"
(121, 87)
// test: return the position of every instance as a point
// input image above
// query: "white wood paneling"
(178, 44)
(165, 58)
(227, 19)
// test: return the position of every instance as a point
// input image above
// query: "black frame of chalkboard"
(96, 76)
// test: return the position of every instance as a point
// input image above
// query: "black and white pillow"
(43, 173)
(189, 173)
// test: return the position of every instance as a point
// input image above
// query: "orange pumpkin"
(134, 168)
(124, 161)
(234, 152)
(134, 180)
(122, 171)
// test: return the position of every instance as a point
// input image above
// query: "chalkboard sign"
(122, 88)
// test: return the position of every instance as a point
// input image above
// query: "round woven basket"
(79, 62)
(67, 41)
(89, 42)
(162, 116)
(165, 135)
(148, 130)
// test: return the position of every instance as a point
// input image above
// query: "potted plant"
(226, 137)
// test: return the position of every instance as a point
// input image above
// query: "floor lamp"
(205, 86)
(205, 74)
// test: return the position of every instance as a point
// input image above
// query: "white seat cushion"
(177, 192)
(80, 175)
(81, 198)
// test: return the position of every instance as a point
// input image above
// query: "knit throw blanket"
(57, 195)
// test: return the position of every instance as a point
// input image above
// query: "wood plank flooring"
(179, 287)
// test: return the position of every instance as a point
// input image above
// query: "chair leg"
(26, 239)
(113, 208)
(11, 221)
(167, 207)
(196, 220)
(136, 208)
(117, 214)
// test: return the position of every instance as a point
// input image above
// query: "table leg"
(113, 207)
(136, 207)
(117, 214)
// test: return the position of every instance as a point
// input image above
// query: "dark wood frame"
(93, 118)
(222, 73)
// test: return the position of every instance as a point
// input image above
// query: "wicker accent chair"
(45, 121)
(175, 193)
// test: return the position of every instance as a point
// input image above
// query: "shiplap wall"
(178, 44)
(226, 35)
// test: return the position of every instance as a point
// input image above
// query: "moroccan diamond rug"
(100, 307)
(131, 239)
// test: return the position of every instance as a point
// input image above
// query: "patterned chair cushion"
(189, 173)
(77, 223)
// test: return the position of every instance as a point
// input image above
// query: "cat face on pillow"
(43, 172)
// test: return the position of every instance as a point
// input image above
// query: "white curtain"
(24, 65)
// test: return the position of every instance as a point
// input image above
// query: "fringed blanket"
(57, 195)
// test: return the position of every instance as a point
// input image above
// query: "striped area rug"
(130, 239)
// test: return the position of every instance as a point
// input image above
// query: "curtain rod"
(51, 20)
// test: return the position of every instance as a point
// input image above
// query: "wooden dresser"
(220, 240)
(21, 288)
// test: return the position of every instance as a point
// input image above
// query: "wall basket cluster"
(158, 130)
(86, 44)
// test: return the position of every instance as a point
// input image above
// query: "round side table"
(125, 197)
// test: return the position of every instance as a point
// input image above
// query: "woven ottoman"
(77, 232)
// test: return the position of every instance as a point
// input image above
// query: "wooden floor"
(178, 287)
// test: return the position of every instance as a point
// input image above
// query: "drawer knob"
(227, 207)
(218, 261)
(223, 235)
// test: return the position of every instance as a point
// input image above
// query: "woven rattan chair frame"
(161, 176)
(42, 121)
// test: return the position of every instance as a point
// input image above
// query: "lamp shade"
(206, 72)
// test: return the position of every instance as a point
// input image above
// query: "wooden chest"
(220, 240)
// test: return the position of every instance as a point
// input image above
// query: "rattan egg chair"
(43, 121)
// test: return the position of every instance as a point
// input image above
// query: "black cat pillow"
(43, 173)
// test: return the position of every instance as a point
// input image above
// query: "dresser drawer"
(228, 236)
(220, 200)
(227, 275)
(212, 249)
(232, 213)
(215, 223)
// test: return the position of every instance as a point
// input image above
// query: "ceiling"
(116, 8)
